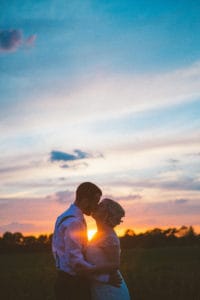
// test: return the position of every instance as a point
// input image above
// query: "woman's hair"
(108, 210)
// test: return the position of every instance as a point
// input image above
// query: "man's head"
(87, 197)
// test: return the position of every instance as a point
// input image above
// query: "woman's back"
(99, 251)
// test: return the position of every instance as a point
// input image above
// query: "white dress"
(96, 253)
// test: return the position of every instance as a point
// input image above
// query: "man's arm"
(110, 268)
(74, 239)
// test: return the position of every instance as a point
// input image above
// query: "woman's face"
(117, 219)
(96, 214)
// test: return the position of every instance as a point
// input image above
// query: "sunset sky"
(102, 91)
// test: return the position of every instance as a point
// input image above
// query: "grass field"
(151, 274)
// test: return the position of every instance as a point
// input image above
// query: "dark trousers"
(68, 287)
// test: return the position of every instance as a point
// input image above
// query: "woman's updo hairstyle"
(110, 212)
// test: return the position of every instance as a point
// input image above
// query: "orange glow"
(119, 230)
(91, 233)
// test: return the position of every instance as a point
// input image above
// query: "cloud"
(173, 161)
(174, 164)
(74, 166)
(15, 169)
(17, 227)
(172, 207)
(181, 201)
(182, 183)
(166, 213)
(129, 197)
(63, 156)
(16, 166)
(39, 211)
(30, 41)
(196, 154)
(65, 166)
(12, 39)
(111, 95)
(62, 197)
(62, 179)
(103, 97)
(38, 215)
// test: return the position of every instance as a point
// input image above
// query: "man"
(69, 242)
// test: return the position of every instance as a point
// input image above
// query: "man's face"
(90, 204)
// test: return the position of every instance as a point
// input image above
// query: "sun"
(90, 233)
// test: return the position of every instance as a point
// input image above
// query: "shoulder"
(71, 222)
(110, 240)
(67, 221)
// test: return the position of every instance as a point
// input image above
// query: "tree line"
(183, 236)
(170, 237)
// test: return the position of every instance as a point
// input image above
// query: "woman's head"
(109, 212)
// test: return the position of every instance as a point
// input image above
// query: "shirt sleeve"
(75, 240)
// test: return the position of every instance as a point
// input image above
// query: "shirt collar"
(75, 211)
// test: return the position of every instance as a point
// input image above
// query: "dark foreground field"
(151, 274)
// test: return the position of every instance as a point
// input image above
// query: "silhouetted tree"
(183, 236)
(129, 232)
(18, 238)
(29, 243)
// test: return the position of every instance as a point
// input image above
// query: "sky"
(101, 91)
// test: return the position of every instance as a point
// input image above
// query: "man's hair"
(87, 190)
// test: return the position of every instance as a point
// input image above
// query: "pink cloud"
(18, 227)
(30, 41)
(12, 39)
(38, 215)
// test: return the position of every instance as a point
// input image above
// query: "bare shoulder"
(110, 240)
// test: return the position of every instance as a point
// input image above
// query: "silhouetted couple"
(88, 270)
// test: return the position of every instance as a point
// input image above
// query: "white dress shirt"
(70, 240)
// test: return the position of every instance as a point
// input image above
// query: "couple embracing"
(88, 270)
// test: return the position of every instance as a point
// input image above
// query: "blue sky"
(106, 91)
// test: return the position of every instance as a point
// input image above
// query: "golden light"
(90, 233)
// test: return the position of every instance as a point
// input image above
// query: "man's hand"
(80, 269)
(115, 279)
(83, 270)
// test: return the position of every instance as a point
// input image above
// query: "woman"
(104, 249)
